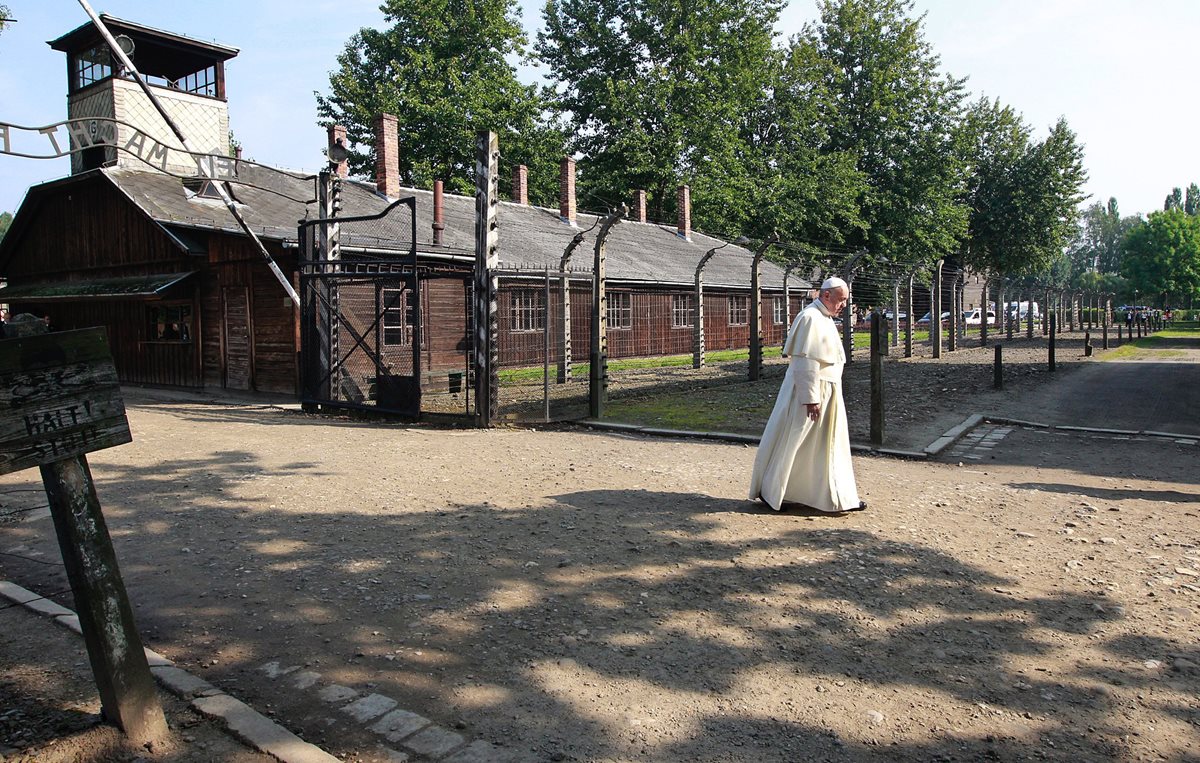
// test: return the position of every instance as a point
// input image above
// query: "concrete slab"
(369, 707)
(334, 694)
(434, 741)
(399, 724)
(260, 732)
(182, 683)
(70, 622)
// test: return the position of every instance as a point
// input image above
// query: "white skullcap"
(834, 283)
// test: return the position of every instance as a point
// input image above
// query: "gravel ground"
(573, 595)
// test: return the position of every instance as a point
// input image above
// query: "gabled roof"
(273, 201)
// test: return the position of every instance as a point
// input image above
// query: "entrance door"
(239, 350)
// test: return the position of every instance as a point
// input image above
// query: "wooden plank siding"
(652, 331)
(138, 360)
(91, 231)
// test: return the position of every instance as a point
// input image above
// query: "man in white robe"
(804, 454)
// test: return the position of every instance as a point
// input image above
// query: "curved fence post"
(756, 332)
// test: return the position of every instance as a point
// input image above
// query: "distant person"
(171, 333)
(3, 322)
(804, 454)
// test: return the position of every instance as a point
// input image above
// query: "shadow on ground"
(555, 626)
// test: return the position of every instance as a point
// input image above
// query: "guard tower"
(188, 76)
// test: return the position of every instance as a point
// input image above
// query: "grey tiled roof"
(273, 201)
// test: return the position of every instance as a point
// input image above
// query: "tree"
(654, 94)
(1163, 255)
(5, 17)
(995, 142)
(1191, 203)
(897, 115)
(442, 67)
(5, 221)
(1174, 200)
(1052, 178)
(791, 183)
(1100, 244)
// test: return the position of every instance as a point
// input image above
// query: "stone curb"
(242, 721)
(951, 435)
(1092, 430)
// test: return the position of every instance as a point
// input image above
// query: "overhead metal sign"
(74, 135)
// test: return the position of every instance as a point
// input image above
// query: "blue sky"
(1118, 70)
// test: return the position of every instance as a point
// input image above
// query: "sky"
(1117, 70)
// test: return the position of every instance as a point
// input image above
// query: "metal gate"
(361, 316)
(361, 339)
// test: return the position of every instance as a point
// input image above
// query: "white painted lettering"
(80, 135)
(7, 147)
(51, 133)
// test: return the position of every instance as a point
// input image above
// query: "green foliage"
(5, 221)
(897, 115)
(1163, 256)
(1174, 200)
(1100, 243)
(655, 94)
(794, 183)
(5, 17)
(442, 67)
(995, 141)
(1191, 203)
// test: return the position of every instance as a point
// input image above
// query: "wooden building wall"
(88, 230)
(652, 331)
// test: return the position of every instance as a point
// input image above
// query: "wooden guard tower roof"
(162, 53)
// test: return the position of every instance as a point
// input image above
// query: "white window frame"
(779, 310)
(528, 311)
(739, 307)
(620, 310)
(683, 311)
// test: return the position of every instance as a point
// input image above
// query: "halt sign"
(59, 397)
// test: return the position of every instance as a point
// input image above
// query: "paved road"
(1151, 396)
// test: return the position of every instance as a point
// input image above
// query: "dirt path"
(568, 595)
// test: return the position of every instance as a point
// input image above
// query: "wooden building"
(148, 250)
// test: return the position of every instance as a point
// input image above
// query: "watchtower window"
(92, 65)
(96, 64)
(203, 82)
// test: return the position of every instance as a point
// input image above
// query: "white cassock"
(800, 460)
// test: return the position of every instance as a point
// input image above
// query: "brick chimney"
(520, 189)
(387, 155)
(337, 134)
(566, 190)
(639, 206)
(684, 204)
(439, 213)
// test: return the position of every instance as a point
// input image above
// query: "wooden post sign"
(60, 399)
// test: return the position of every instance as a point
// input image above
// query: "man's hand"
(814, 410)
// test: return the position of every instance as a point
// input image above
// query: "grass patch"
(723, 409)
(533, 374)
(1161, 345)
(530, 374)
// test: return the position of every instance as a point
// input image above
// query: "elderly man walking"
(804, 454)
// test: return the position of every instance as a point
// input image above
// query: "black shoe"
(862, 506)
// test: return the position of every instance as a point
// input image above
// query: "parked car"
(888, 315)
(924, 319)
(975, 317)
